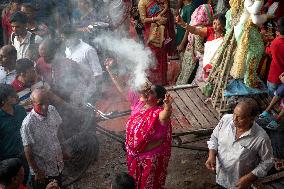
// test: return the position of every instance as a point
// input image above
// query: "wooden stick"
(171, 88)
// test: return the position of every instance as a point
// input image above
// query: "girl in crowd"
(213, 35)
(201, 17)
(148, 133)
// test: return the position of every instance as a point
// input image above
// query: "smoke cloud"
(131, 55)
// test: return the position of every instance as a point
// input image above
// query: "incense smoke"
(136, 58)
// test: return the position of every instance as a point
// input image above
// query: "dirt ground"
(186, 168)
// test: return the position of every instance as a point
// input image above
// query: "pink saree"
(148, 168)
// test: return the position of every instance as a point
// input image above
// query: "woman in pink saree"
(148, 139)
(148, 132)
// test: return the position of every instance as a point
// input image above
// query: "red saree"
(149, 169)
(158, 74)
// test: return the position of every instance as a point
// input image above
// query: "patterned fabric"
(248, 55)
(188, 64)
(222, 60)
(149, 168)
(40, 133)
(157, 74)
(202, 16)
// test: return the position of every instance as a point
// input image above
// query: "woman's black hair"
(160, 93)
(9, 169)
(19, 17)
(222, 19)
(6, 91)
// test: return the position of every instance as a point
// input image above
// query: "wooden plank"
(185, 112)
(207, 119)
(203, 107)
(193, 109)
(208, 103)
(179, 116)
(175, 123)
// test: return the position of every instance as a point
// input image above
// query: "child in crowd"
(277, 53)
(123, 181)
(278, 95)
(276, 77)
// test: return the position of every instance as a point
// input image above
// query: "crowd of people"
(49, 64)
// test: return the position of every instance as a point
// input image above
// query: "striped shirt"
(24, 92)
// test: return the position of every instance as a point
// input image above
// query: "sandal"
(273, 125)
(265, 115)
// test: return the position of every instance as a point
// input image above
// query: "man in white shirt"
(39, 134)
(85, 55)
(8, 57)
(239, 150)
(21, 38)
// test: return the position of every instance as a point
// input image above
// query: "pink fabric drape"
(149, 169)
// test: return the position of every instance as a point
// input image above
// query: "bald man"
(239, 150)
(39, 134)
(8, 57)
(68, 79)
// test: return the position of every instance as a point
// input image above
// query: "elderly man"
(21, 38)
(40, 139)
(8, 57)
(239, 150)
(67, 78)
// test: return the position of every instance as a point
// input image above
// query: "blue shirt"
(10, 136)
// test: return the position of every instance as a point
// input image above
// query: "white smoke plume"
(136, 58)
